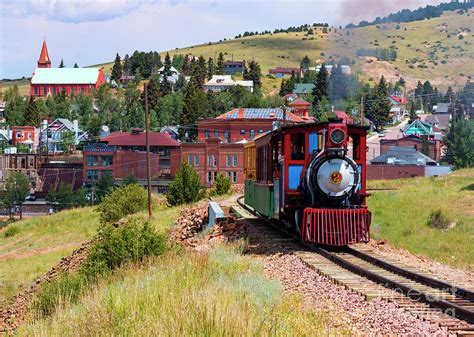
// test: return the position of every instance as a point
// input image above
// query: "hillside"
(418, 43)
(427, 50)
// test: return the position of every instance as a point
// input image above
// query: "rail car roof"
(331, 120)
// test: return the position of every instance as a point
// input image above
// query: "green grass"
(220, 294)
(402, 216)
(38, 243)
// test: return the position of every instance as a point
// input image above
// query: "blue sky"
(92, 31)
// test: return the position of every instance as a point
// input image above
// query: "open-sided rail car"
(311, 177)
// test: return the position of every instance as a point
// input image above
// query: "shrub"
(222, 185)
(438, 219)
(460, 37)
(132, 241)
(186, 186)
(121, 202)
(130, 179)
(11, 230)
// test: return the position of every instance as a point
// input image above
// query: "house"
(282, 72)
(172, 131)
(402, 155)
(124, 79)
(124, 153)
(434, 147)
(25, 135)
(345, 118)
(233, 67)
(300, 108)
(219, 145)
(441, 108)
(419, 128)
(346, 70)
(439, 121)
(220, 83)
(303, 89)
(290, 97)
(2, 112)
(61, 131)
(5, 136)
(398, 108)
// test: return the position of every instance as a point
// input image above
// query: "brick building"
(219, 145)
(124, 153)
(26, 135)
(51, 81)
(434, 146)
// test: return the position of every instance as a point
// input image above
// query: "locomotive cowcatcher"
(312, 178)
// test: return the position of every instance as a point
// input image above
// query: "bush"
(222, 185)
(460, 37)
(121, 202)
(438, 219)
(186, 187)
(132, 241)
(130, 179)
(11, 230)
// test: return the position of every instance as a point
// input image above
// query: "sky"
(92, 31)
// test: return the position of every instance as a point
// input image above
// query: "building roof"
(284, 70)
(234, 63)
(345, 118)
(136, 138)
(221, 80)
(397, 100)
(44, 56)
(299, 102)
(244, 83)
(403, 155)
(65, 76)
(172, 70)
(442, 108)
(444, 120)
(303, 88)
(431, 119)
(422, 126)
(259, 113)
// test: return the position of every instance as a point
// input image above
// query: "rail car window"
(297, 146)
(355, 141)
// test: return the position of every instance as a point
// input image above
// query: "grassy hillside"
(415, 42)
(30, 247)
(402, 216)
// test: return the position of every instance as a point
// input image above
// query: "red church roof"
(138, 139)
(44, 59)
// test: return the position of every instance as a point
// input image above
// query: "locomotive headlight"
(337, 136)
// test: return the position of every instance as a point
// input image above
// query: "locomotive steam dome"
(335, 177)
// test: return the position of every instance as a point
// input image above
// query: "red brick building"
(51, 81)
(434, 146)
(300, 108)
(124, 153)
(219, 146)
(26, 135)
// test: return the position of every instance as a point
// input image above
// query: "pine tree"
(32, 116)
(165, 86)
(75, 65)
(185, 70)
(196, 105)
(220, 64)
(153, 90)
(378, 108)
(198, 72)
(127, 70)
(210, 68)
(449, 95)
(321, 86)
(167, 65)
(460, 143)
(117, 69)
(61, 64)
(180, 85)
(305, 62)
(254, 74)
(412, 115)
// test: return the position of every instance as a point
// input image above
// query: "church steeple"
(44, 61)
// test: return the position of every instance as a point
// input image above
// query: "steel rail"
(454, 309)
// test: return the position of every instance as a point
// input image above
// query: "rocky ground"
(348, 310)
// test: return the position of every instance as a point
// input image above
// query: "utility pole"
(284, 114)
(147, 139)
(92, 196)
(361, 110)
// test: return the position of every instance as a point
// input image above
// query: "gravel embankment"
(348, 311)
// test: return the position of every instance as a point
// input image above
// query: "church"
(51, 81)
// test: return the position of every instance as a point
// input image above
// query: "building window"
(29, 135)
(45, 91)
(229, 159)
(226, 135)
(212, 161)
(82, 90)
(260, 131)
(106, 161)
(234, 177)
(206, 134)
(215, 160)
(92, 161)
(235, 161)
(252, 134)
(209, 177)
(196, 160)
(54, 90)
(242, 132)
(36, 91)
(92, 175)
(216, 134)
(190, 160)
(104, 173)
(18, 134)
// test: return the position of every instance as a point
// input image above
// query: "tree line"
(382, 54)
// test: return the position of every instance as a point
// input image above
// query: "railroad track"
(359, 270)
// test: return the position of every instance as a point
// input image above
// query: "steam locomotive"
(311, 178)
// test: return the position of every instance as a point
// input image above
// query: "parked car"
(31, 197)
(381, 134)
